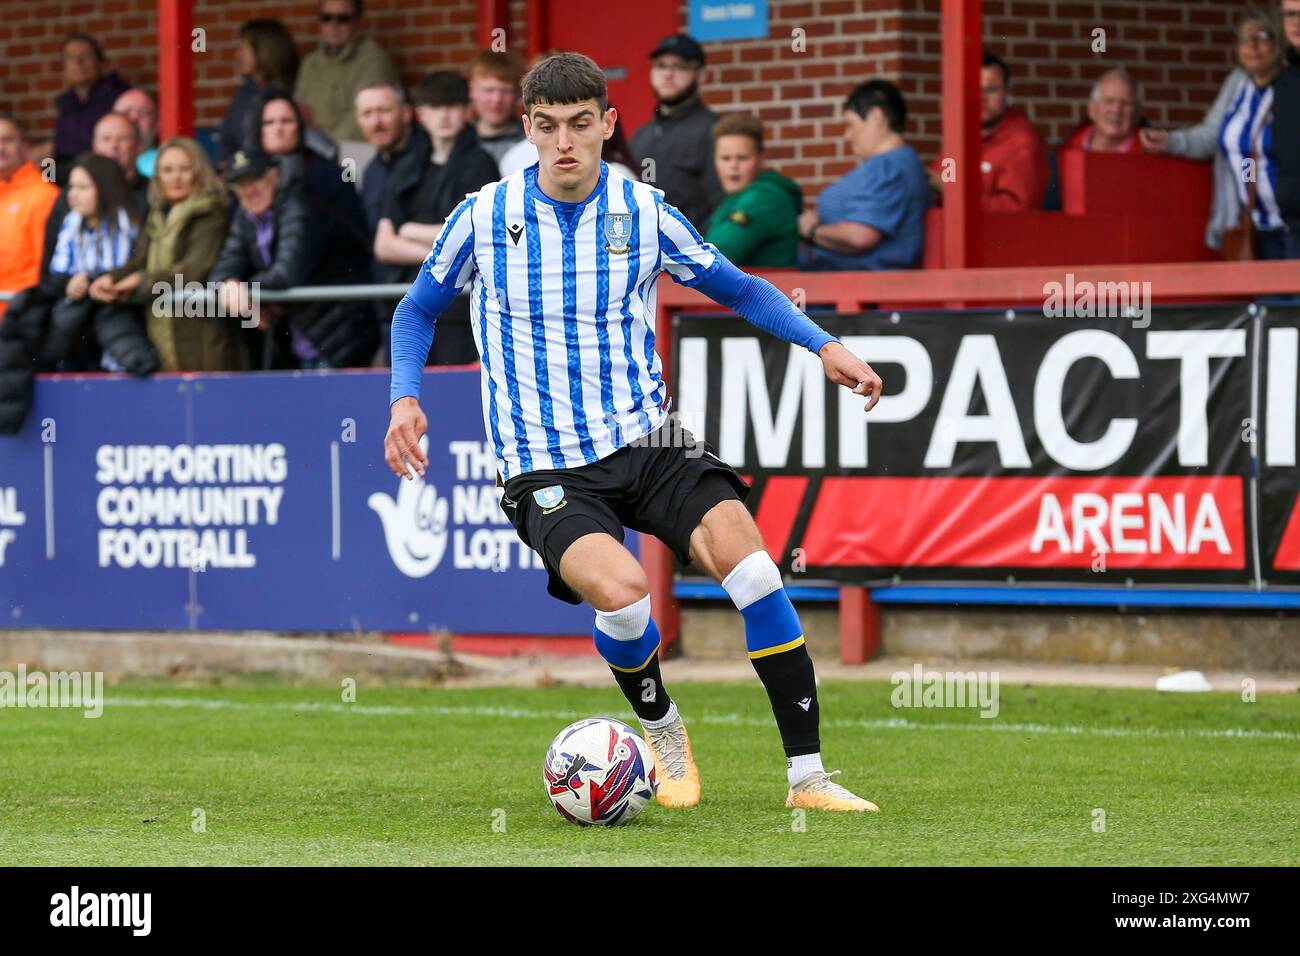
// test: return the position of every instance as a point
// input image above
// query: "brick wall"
(1179, 49)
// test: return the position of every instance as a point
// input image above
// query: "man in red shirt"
(1113, 116)
(1013, 157)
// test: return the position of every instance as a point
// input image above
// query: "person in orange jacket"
(1013, 157)
(25, 202)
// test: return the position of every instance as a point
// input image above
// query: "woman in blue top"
(873, 217)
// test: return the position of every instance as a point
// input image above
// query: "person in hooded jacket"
(757, 224)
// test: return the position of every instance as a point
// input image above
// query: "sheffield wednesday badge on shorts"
(618, 230)
(550, 498)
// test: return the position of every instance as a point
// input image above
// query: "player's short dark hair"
(442, 88)
(992, 59)
(739, 124)
(563, 79)
(879, 93)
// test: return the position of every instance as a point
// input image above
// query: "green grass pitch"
(291, 775)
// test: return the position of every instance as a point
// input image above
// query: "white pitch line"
(892, 723)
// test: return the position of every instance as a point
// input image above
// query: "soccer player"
(563, 256)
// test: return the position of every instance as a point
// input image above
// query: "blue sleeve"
(413, 323)
(760, 303)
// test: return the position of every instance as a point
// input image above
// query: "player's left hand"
(845, 368)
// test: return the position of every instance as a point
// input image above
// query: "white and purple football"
(599, 771)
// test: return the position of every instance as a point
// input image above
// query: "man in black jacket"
(1286, 129)
(272, 244)
(678, 139)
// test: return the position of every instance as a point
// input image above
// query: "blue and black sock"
(775, 641)
(628, 640)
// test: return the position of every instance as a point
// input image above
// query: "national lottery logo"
(415, 524)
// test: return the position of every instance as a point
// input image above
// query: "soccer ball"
(599, 771)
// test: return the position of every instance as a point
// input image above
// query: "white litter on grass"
(741, 720)
(1185, 681)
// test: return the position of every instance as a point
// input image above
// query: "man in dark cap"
(677, 140)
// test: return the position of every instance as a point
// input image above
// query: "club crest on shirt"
(618, 229)
(550, 498)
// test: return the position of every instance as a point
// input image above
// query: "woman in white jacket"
(1241, 114)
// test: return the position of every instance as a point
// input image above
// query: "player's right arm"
(446, 270)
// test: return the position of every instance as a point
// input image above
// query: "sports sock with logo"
(628, 640)
(775, 641)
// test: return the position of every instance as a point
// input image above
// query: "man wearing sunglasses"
(347, 61)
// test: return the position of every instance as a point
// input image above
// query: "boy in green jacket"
(758, 221)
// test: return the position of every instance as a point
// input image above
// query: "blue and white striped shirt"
(562, 304)
(92, 251)
(1248, 130)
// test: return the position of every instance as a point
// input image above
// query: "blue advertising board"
(263, 501)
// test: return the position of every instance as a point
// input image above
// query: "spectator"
(26, 199)
(96, 236)
(873, 217)
(286, 120)
(384, 117)
(1013, 157)
(265, 55)
(347, 61)
(401, 153)
(179, 242)
(758, 223)
(457, 166)
(1234, 129)
(116, 138)
(335, 205)
(139, 107)
(494, 92)
(91, 93)
(1286, 128)
(1112, 125)
(677, 139)
(273, 243)
(409, 224)
(54, 326)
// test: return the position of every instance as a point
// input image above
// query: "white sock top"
(627, 623)
(755, 577)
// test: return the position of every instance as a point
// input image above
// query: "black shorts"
(656, 486)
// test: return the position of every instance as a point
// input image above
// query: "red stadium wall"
(1179, 49)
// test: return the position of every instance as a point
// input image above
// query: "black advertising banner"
(1007, 445)
(1279, 478)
